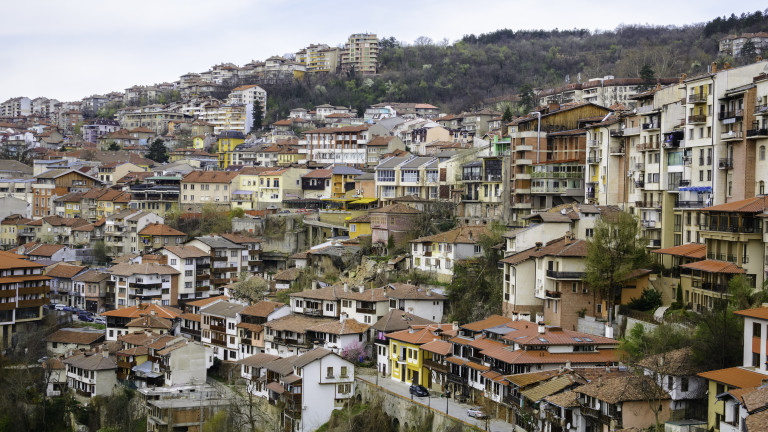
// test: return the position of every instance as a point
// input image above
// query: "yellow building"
(198, 142)
(113, 201)
(244, 192)
(288, 156)
(228, 140)
(358, 226)
(407, 356)
(343, 181)
(9, 229)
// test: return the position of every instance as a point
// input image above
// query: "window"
(590, 232)
(757, 330)
(329, 372)
(574, 287)
(188, 273)
(343, 372)
(684, 384)
(670, 382)
(478, 249)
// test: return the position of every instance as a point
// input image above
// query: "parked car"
(85, 318)
(476, 412)
(60, 307)
(419, 390)
(99, 320)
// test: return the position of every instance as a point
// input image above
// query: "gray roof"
(217, 242)
(390, 123)
(282, 366)
(13, 166)
(92, 362)
(417, 162)
(310, 356)
(223, 308)
(138, 215)
(346, 170)
(396, 320)
(392, 162)
(258, 360)
(366, 176)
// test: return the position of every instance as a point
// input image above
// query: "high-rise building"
(361, 53)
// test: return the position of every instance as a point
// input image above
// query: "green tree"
(648, 77)
(748, 51)
(475, 291)
(742, 295)
(507, 117)
(100, 252)
(527, 98)
(157, 151)
(258, 116)
(249, 287)
(615, 249)
(113, 146)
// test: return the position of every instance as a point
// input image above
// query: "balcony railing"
(697, 98)
(731, 135)
(632, 130)
(757, 133)
(744, 229)
(639, 183)
(701, 118)
(722, 115)
(639, 166)
(593, 143)
(565, 275)
(650, 126)
(654, 243)
(725, 163)
(617, 150)
(649, 224)
(594, 160)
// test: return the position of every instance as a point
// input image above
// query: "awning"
(276, 387)
(145, 369)
(697, 188)
(242, 192)
(338, 200)
(364, 201)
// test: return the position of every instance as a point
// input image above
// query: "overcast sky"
(71, 49)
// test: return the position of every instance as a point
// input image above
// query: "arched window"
(762, 188)
(762, 153)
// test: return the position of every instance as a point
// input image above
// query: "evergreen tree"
(648, 76)
(507, 117)
(748, 51)
(157, 151)
(258, 116)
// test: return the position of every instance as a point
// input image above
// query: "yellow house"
(358, 226)
(9, 229)
(247, 187)
(228, 140)
(113, 201)
(343, 181)
(407, 356)
(198, 142)
(724, 380)
(288, 156)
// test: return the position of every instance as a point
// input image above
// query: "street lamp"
(538, 133)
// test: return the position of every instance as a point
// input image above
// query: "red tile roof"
(749, 205)
(691, 250)
(735, 377)
(712, 266)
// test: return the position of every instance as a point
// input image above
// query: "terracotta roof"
(240, 238)
(159, 229)
(190, 316)
(623, 389)
(691, 250)
(756, 398)
(757, 421)
(144, 308)
(225, 309)
(318, 173)
(332, 130)
(64, 270)
(545, 357)
(438, 347)
(44, 250)
(491, 321)
(712, 266)
(566, 399)
(749, 205)
(72, 336)
(399, 290)
(563, 247)
(289, 275)
(550, 387)
(380, 141)
(310, 356)
(294, 323)
(184, 251)
(150, 322)
(349, 326)
(735, 377)
(464, 234)
(258, 360)
(262, 308)
(207, 301)
(361, 219)
(759, 313)
(417, 336)
(396, 209)
(92, 362)
(677, 362)
(526, 379)
(91, 276)
(128, 269)
(210, 177)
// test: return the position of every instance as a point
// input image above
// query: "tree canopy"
(157, 151)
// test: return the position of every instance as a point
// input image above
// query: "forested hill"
(461, 75)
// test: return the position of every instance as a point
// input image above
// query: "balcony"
(639, 166)
(593, 160)
(730, 114)
(687, 161)
(219, 328)
(646, 146)
(617, 133)
(645, 109)
(632, 131)
(649, 224)
(523, 162)
(594, 143)
(654, 243)
(725, 163)
(647, 204)
(697, 119)
(697, 98)
(523, 147)
(689, 204)
(313, 312)
(564, 275)
(616, 150)
(362, 310)
(731, 136)
(757, 133)
(431, 364)
(639, 183)
(716, 287)
(650, 126)
(755, 228)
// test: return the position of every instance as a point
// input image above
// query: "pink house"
(393, 220)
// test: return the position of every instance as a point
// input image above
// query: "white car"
(99, 320)
(476, 413)
(59, 307)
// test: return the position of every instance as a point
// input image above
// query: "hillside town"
(486, 270)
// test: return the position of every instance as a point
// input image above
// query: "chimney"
(361, 288)
(455, 325)
(428, 292)
(153, 312)
(105, 351)
(541, 327)
(411, 330)
(554, 106)
(314, 284)
(408, 282)
(726, 65)
(713, 67)
(342, 317)
(568, 237)
(346, 287)
(514, 316)
(539, 245)
(758, 59)
(683, 77)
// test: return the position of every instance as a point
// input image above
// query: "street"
(455, 409)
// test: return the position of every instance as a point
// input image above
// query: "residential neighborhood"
(184, 256)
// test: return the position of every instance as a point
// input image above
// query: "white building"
(144, 283)
(438, 253)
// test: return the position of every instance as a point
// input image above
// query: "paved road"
(455, 409)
